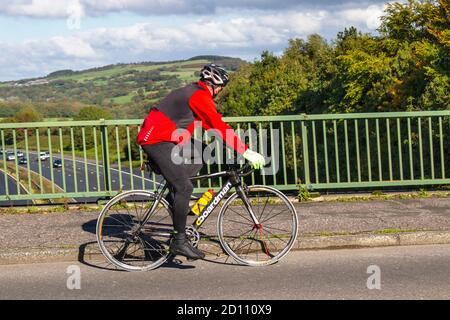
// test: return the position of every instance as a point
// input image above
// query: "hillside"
(127, 89)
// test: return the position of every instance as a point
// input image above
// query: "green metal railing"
(322, 152)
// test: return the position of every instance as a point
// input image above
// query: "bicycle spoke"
(121, 218)
(136, 250)
(238, 238)
(261, 243)
(249, 245)
(116, 246)
(246, 238)
(262, 211)
(135, 209)
(123, 250)
(272, 223)
(113, 225)
(240, 222)
(273, 228)
(129, 214)
(240, 246)
(259, 208)
(160, 219)
(145, 241)
(276, 236)
(273, 244)
(146, 254)
(275, 215)
(113, 235)
(123, 224)
(251, 221)
(155, 249)
(243, 234)
(271, 210)
(150, 214)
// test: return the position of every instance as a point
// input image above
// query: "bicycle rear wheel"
(122, 238)
(263, 244)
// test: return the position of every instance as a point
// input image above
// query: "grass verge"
(375, 232)
(421, 194)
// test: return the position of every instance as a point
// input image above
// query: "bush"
(303, 193)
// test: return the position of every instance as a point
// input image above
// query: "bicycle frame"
(234, 181)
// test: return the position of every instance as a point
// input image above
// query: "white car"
(10, 156)
(44, 155)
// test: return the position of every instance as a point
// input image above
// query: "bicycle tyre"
(262, 249)
(155, 234)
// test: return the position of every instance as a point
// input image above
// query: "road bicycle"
(257, 225)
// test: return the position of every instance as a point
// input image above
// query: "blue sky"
(41, 36)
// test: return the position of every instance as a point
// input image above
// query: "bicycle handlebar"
(244, 168)
(241, 172)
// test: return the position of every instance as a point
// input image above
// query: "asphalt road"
(12, 190)
(409, 272)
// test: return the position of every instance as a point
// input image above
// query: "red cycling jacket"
(180, 110)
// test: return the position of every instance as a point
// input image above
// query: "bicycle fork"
(240, 191)
(257, 226)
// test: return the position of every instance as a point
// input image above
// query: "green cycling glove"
(256, 160)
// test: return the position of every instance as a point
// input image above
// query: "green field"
(86, 76)
(124, 99)
(118, 70)
(183, 74)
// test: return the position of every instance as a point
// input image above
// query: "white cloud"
(60, 8)
(74, 47)
(244, 34)
(299, 22)
(204, 34)
(370, 16)
(37, 58)
(38, 8)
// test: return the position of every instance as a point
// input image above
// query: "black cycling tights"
(177, 175)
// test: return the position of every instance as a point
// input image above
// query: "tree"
(407, 21)
(420, 33)
(85, 114)
(93, 113)
(28, 114)
(134, 147)
(439, 24)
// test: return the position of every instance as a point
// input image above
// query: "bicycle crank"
(193, 235)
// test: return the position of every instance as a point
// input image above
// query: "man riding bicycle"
(181, 109)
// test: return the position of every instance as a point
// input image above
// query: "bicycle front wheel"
(258, 244)
(123, 238)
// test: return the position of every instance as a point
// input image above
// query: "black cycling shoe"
(181, 246)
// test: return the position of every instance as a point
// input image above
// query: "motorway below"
(81, 176)
(11, 185)
(408, 272)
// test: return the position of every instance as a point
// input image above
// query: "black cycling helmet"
(214, 74)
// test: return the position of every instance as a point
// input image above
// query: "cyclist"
(180, 109)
